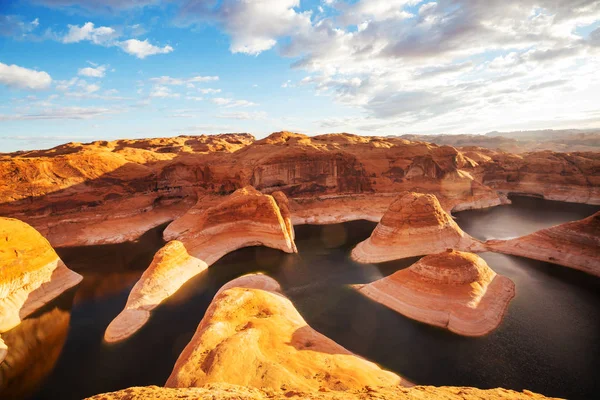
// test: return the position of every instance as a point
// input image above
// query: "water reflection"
(34, 347)
(548, 342)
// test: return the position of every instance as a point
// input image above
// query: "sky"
(84, 70)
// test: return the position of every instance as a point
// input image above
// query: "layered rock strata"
(415, 224)
(574, 245)
(224, 391)
(31, 273)
(246, 218)
(252, 336)
(453, 290)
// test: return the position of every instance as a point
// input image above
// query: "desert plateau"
(299, 199)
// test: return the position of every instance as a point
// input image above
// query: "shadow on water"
(547, 343)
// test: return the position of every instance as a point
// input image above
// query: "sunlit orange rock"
(574, 245)
(31, 273)
(246, 218)
(415, 224)
(454, 290)
(224, 391)
(251, 335)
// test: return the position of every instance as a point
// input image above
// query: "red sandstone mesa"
(31, 274)
(198, 239)
(415, 224)
(454, 290)
(574, 245)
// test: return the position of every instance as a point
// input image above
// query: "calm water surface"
(548, 342)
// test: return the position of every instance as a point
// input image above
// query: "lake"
(548, 342)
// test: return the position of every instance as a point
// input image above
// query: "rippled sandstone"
(251, 335)
(454, 290)
(245, 218)
(223, 391)
(415, 224)
(574, 245)
(31, 273)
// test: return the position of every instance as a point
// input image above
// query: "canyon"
(111, 192)
(217, 194)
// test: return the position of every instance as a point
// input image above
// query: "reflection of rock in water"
(34, 347)
(98, 286)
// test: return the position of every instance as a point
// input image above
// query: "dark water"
(548, 342)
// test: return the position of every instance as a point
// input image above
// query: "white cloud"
(102, 35)
(167, 80)
(142, 49)
(61, 113)
(78, 84)
(209, 91)
(254, 26)
(18, 77)
(97, 72)
(230, 103)
(163, 92)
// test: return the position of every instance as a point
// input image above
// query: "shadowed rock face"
(31, 273)
(415, 224)
(251, 335)
(453, 290)
(223, 391)
(246, 218)
(574, 245)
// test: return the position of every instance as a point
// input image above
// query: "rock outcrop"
(224, 391)
(254, 337)
(31, 273)
(454, 290)
(415, 224)
(574, 245)
(246, 218)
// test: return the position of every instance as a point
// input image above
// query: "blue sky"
(71, 70)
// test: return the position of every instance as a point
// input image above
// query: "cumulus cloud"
(93, 72)
(102, 35)
(77, 84)
(254, 26)
(107, 36)
(142, 48)
(163, 92)
(18, 77)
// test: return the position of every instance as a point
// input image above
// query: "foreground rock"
(254, 337)
(31, 273)
(574, 245)
(223, 391)
(246, 218)
(454, 290)
(415, 224)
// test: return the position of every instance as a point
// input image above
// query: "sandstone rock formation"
(254, 337)
(3, 350)
(31, 273)
(574, 245)
(246, 218)
(109, 192)
(453, 290)
(415, 224)
(223, 391)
